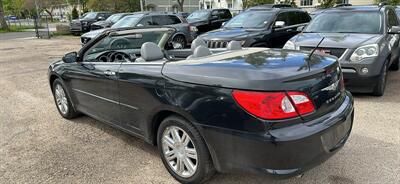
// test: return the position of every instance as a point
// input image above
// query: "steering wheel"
(115, 56)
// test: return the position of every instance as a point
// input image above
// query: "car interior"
(145, 47)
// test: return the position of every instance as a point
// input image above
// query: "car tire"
(181, 40)
(395, 65)
(380, 87)
(177, 151)
(62, 100)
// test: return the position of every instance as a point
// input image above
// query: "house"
(310, 5)
(171, 5)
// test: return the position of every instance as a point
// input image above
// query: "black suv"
(209, 19)
(82, 24)
(259, 26)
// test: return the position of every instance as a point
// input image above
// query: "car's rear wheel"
(62, 100)
(380, 87)
(179, 42)
(183, 151)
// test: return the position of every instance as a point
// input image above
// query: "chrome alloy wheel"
(61, 99)
(179, 151)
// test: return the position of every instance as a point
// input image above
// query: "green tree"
(3, 23)
(74, 13)
(250, 3)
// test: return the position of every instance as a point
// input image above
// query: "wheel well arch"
(156, 121)
(52, 78)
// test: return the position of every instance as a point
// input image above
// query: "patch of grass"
(17, 28)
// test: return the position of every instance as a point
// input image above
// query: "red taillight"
(274, 105)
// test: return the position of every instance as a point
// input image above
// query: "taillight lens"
(274, 105)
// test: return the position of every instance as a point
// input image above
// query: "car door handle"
(109, 73)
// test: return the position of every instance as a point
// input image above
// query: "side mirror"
(300, 28)
(394, 30)
(214, 17)
(71, 57)
(139, 25)
(223, 23)
(279, 24)
(100, 18)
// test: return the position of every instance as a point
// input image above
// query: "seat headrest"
(196, 43)
(151, 52)
(234, 45)
(201, 51)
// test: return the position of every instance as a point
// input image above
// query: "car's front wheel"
(183, 151)
(380, 87)
(62, 100)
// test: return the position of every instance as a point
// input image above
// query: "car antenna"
(312, 52)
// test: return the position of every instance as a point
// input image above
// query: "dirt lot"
(38, 146)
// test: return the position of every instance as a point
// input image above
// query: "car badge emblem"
(332, 87)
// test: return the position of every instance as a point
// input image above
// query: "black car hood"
(232, 33)
(251, 69)
(336, 40)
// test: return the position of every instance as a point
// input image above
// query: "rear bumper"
(281, 152)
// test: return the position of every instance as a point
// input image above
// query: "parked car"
(364, 38)
(248, 110)
(259, 27)
(82, 25)
(111, 20)
(183, 14)
(208, 19)
(183, 37)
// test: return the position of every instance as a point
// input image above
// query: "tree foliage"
(3, 23)
(250, 3)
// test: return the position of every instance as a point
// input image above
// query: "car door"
(95, 86)
(140, 84)
(279, 35)
(393, 39)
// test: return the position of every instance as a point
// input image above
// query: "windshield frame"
(381, 22)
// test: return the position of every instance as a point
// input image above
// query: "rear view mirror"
(394, 30)
(279, 24)
(71, 57)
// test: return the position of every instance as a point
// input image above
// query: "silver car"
(182, 38)
(365, 39)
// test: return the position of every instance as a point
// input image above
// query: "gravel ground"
(38, 146)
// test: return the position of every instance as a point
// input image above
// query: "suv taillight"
(274, 105)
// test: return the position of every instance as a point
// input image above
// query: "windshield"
(128, 21)
(346, 22)
(250, 19)
(114, 18)
(398, 12)
(89, 16)
(199, 15)
(126, 44)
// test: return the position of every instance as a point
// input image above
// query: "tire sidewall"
(202, 151)
(71, 112)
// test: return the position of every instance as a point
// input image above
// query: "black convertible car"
(261, 110)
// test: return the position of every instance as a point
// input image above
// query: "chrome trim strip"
(106, 99)
(345, 70)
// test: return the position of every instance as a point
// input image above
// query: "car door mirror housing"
(223, 23)
(71, 57)
(279, 24)
(100, 18)
(394, 30)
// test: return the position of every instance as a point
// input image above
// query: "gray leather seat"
(150, 52)
(196, 43)
(200, 51)
(234, 45)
